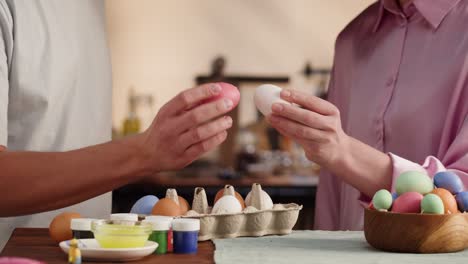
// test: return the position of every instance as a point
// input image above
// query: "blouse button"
(403, 23)
(402, 20)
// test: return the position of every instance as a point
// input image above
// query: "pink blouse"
(400, 80)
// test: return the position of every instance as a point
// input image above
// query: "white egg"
(250, 209)
(227, 204)
(265, 204)
(265, 96)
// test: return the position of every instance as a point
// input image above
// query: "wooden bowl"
(416, 233)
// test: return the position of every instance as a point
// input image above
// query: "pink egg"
(409, 202)
(227, 91)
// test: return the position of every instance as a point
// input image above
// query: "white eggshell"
(250, 209)
(266, 200)
(265, 96)
(227, 204)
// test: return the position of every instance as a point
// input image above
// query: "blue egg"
(144, 205)
(449, 181)
(394, 196)
(462, 201)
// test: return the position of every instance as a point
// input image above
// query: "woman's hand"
(185, 128)
(316, 126)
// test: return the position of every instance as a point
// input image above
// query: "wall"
(159, 46)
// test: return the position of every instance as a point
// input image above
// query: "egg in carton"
(228, 217)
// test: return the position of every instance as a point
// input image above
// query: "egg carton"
(253, 221)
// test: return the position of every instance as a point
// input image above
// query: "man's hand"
(184, 128)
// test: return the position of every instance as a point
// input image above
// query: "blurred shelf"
(287, 180)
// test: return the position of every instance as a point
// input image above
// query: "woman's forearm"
(365, 168)
(39, 181)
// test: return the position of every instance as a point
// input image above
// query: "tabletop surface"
(298, 247)
(35, 243)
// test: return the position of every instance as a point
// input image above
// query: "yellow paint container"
(121, 233)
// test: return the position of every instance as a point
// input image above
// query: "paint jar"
(116, 218)
(159, 235)
(81, 228)
(121, 233)
(169, 233)
(185, 232)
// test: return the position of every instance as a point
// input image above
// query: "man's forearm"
(185, 128)
(39, 181)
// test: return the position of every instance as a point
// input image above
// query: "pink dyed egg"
(409, 202)
(227, 91)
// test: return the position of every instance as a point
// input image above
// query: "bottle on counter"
(81, 228)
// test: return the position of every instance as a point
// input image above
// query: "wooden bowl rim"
(414, 214)
(424, 222)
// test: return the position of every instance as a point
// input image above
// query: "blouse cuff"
(430, 166)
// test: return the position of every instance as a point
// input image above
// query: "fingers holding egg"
(203, 94)
(297, 130)
(209, 109)
(265, 96)
(303, 116)
(205, 131)
(228, 91)
(310, 102)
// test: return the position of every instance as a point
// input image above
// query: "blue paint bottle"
(185, 235)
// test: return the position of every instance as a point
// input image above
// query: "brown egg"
(220, 194)
(183, 205)
(450, 204)
(59, 228)
(166, 207)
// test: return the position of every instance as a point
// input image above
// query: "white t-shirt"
(55, 87)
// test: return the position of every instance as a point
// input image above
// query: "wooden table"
(35, 243)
